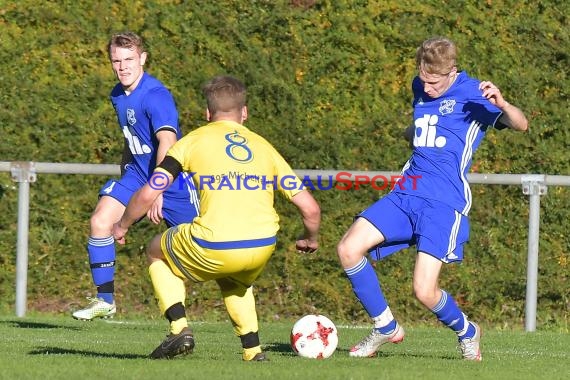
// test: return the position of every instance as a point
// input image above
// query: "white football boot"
(97, 308)
(368, 346)
(469, 347)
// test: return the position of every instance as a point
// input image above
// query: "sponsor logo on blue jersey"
(426, 133)
(135, 145)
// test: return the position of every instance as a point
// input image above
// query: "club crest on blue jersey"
(446, 106)
(131, 116)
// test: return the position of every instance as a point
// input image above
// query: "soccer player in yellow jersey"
(235, 172)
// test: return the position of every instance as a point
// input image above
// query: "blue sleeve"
(480, 108)
(161, 111)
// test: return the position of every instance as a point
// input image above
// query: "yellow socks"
(178, 325)
(249, 353)
(168, 288)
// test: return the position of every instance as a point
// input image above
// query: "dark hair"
(127, 40)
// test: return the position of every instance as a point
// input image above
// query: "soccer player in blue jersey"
(234, 236)
(148, 119)
(429, 207)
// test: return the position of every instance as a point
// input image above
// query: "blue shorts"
(180, 204)
(434, 227)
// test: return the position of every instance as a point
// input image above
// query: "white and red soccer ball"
(314, 336)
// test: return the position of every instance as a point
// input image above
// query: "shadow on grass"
(67, 351)
(284, 349)
(426, 355)
(37, 325)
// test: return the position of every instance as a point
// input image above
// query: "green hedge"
(329, 86)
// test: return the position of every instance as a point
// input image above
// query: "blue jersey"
(150, 108)
(448, 130)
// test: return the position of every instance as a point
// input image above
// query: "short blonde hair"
(225, 94)
(436, 55)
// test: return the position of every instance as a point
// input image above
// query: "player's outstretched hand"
(492, 93)
(119, 233)
(306, 246)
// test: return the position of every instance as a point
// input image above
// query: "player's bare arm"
(311, 213)
(140, 203)
(166, 138)
(512, 116)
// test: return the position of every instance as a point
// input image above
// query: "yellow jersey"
(235, 172)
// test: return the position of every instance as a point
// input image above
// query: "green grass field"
(50, 347)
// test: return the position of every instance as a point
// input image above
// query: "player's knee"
(154, 250)
(342, 250)
(347, 255)
(100, 225)
(426, 295)
(421, 295)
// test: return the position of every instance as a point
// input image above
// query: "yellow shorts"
(188, 259)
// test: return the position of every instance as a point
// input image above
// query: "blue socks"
(450, 315)
(367, 289)
(102, 263)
